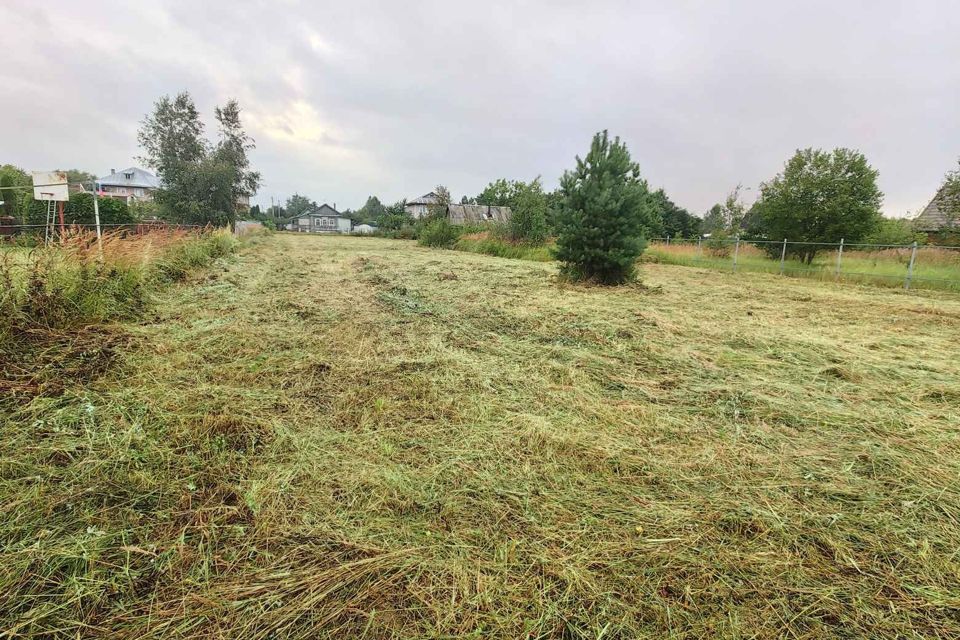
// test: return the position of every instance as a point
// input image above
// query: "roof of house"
(137, 178)
(468, 213)
(322, 210)
(427, 198)
(934, 216)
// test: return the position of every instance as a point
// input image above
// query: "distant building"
(420, 207)
(458, 213)
(936, 216)
(323, 219)
(477, 213)
(132, 184)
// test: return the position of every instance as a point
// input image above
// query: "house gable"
(935, 216)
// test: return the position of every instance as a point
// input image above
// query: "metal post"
(839, 257)
(736, 252)
(699, 248)
(783, 255)
(96, 219)
(913, 258)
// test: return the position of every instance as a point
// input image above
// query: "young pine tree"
(604, 207)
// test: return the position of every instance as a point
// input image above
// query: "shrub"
(438, 233)
(603, 207)
(79, 210)
(718, 244)
(894, 231)
(528, 224)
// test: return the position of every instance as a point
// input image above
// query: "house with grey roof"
(322, 219)
(131, 184)
(420, 207)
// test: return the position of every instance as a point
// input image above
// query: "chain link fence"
(892, 265)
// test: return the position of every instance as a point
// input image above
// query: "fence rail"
(908, 266)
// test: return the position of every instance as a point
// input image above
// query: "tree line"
(604, 211)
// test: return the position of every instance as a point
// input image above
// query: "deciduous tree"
(200, 183)
(528, 222)
(820, 197)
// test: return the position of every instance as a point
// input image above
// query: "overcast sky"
(348, 98)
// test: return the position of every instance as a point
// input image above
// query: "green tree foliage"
(602, 218)
(15, 201)
(820, 197)
(439, 208)
(435, 230)
(950, 197)
(79, 210)
(297, 205)
(232, 149)
(554, 203)
(713, 220)
(201, 183)
(394, 217)
(528, 222)
(370, 212)
(675, 221)
(891, 231)
(500, 193)
(728, 217)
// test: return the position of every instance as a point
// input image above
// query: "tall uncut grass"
(81, 282)
(493, 244)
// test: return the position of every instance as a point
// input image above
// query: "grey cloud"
(403, 96)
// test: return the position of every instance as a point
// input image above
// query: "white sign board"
(50, 185)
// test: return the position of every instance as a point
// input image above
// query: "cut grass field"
(357, 437)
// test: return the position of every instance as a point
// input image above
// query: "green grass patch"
(490, 245)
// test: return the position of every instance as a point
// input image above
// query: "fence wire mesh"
(892, 265)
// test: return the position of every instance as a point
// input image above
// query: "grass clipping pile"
(355, 437)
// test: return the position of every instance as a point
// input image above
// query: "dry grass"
(332, 437)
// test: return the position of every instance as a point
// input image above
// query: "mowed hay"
(355, 437)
